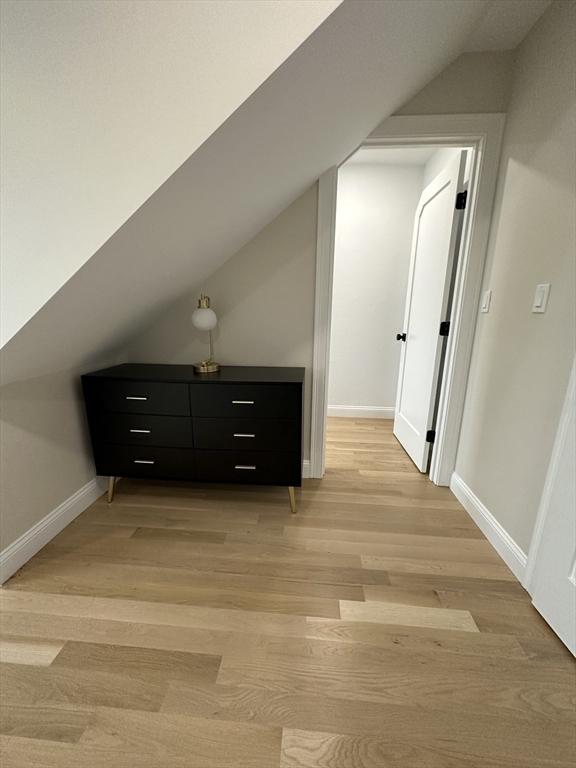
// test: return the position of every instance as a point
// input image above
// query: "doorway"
(399, 216)
(443, 368)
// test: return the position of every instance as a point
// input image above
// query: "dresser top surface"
(185, 373)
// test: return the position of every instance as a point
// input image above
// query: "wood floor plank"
(547, 649)
(78, 533)
(392, 522)
(176, 553)
(507, 588)
(405, 596)
(22, 650)
(349, 530)
(307, 749)
(203, 578)
(162, 585)
(35, 686)
(493, 602)
(171, 534)
(132, 634)
(463, 551)
(205, 743)
(398, 657)
(531, 625)
(393, 565)
(125, 739)
(415, 638)
(150, 515)
(42, 722)
(134, 661)
(407, 615)
(514, 692)
(160, 614)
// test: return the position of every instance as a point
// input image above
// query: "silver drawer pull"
(244, 466)
(143, 461)
(129, 397)
(240, 434)
(242, 402)
(141, 431)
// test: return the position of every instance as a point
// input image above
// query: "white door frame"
(483, 133)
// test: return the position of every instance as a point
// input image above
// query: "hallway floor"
(193, 627)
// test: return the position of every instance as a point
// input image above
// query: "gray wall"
(475, 82)
(45, 455)
(264, 298)
(374, 222)
(521, 361)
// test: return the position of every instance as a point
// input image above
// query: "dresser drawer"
(247, 434)
(143, 430)
(274, 468)
(138, 397)
(246, 400)
(131, 461)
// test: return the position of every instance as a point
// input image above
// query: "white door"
(433, 245)
(553, 580)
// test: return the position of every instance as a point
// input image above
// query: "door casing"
(483, 134)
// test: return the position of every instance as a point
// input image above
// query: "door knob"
(400, 337)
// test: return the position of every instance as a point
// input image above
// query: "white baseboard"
(503, 543)
(20, 551)
(306, 468)
(362, 411)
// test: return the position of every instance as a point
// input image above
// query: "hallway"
(206, 627)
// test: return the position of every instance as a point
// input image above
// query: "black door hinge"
(444, 328)
(430, 435)
(461, 198)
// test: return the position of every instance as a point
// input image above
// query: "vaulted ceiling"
(102, 102)
(355, 69)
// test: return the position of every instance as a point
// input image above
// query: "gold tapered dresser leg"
(110, 495)
(292, 499)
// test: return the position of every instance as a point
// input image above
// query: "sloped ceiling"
(362, 63)
(505, 24)
(102, 100)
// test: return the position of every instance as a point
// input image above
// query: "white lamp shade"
(204, 319)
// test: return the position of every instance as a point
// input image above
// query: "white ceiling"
(392, 156)
(505, 24)
(102, 102)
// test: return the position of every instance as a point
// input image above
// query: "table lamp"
(205, 319)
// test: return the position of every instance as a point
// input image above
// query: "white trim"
(26, 546)
(513, 555)
(484, 134)
(550, 482)
(362, 411)
(322, 317)
(306, 469)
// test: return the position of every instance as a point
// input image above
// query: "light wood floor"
(187, 627)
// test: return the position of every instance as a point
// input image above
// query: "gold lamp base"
(206, 366)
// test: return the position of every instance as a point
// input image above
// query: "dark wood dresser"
(240, 425)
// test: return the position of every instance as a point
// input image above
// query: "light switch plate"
(541, 298)
(486, 299)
